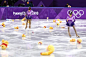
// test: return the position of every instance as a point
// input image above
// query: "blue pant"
(70, 23)
(28, 17)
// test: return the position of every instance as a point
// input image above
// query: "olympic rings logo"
(77, 13)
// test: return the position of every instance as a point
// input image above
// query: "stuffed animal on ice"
(58, 19)
(73, 40)
(23, 35)
(23, 23)
(3, 24)
(57, 24)
(4, 44)
(50, 27)
(44, 27)
(23, 19)
(54, 21)
(50, 50)
(16, 27)
(40, 43)
(79, 41)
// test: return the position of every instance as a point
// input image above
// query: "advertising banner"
(42, 13)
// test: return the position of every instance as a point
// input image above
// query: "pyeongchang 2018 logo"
(19, 13)
(77, 13)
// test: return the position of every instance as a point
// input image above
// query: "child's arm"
(67, 19)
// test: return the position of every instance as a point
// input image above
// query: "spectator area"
(47, 3)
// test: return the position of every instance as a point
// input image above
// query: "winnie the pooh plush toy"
(50, 50)
(23, 19)
(4, 44)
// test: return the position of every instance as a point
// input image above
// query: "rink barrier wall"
(44, 12)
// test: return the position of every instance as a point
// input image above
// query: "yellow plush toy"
(73, 40)
(23, 19)
(3, 24)
(50, 27)
(57, 24)
(44, 27)
(23, 35)
(50, 50)
(23, 23)
(4, 44)
(79, 41)
(40, 43)
(58, 19)
(54, 20)
(16, 27)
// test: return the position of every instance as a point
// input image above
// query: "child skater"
(28, 17)
(29, 14)
(70, 22)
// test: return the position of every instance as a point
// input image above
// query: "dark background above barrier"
(52, 13)
(49, 3)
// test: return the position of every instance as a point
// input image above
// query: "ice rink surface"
(28, 46)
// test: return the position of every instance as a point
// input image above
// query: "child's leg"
(29, 23)
(69, 31)
(26, 23)
(75, 31)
